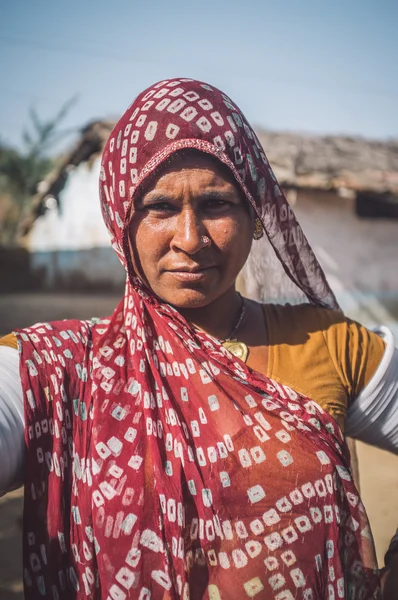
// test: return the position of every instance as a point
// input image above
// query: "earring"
(258, 229)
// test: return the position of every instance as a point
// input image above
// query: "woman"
(174, 449)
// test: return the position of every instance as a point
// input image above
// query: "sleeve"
(356, 353)
(10, 341)
(12, 447)
(373, 416)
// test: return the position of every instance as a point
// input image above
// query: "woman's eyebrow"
(232, 196)
(206, 195)
(155, 197)
(217, 195)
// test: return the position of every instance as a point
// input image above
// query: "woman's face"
(191, 198)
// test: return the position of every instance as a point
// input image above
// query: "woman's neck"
(217, 318)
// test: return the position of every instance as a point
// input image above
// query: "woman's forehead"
(198, 170)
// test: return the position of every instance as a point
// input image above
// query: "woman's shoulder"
(52, 335)
(54, 332)
(9, 340)
(345, 339)
(297, 323)
(306, 310)
(75, 331)
(319, 333)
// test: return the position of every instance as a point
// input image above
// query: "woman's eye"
(216, 204)
(161, 207)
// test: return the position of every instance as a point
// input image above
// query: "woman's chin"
(186, 293)
(189, 297)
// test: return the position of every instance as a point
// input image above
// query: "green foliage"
(22, 171)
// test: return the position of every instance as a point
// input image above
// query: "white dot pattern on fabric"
(188, 114)
(158, 465)
(117, 485)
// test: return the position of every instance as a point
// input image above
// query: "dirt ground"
(378, 470)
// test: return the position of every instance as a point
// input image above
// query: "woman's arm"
(12, 446)
(373, 415)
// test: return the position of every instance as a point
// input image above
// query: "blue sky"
(304, 65)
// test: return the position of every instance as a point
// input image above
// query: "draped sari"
(158, 464)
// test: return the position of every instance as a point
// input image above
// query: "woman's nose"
(188, 232)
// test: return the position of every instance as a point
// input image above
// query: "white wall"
(78, 223)
(70, 246)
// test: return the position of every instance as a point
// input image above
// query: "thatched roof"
(299, 161)
(90, 145)
(333, 162)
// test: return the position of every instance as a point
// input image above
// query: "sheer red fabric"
(183, 113)
(159, 465)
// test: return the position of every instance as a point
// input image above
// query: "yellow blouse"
(321, 353)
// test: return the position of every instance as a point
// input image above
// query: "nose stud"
(206, 241)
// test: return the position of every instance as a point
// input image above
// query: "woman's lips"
(196, 275)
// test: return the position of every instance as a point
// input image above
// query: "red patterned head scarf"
(182, 113)
(158, 465)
